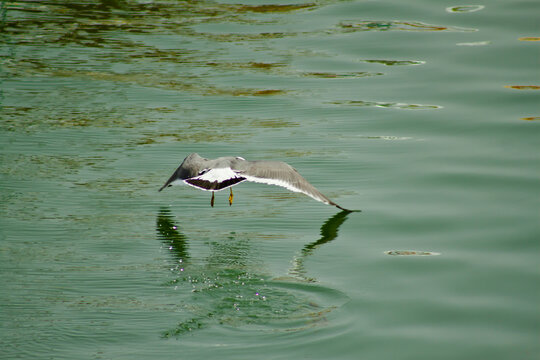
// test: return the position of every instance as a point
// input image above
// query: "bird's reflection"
(329, 231)
(229, 287)
(171, 237)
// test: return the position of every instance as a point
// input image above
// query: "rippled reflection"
(523, 87)
(387, 105)
(228, 288)
(464, 8)
(329, 231)
(397, 26)
(395, 62)
(410, 253)
(474, 43)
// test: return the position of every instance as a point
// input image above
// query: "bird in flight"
(225, 172)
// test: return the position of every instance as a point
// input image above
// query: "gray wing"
(280, 174)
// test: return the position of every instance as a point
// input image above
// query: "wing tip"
(346, 210)
(342, 208)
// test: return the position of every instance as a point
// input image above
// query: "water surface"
(423, 115)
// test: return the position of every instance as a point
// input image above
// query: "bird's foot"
(212, 200)
(231, 196)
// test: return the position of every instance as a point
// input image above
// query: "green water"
(423, 114)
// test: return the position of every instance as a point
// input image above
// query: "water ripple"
(227, 288)
(397, 25)
(410, 253)
(387, 105)
(464, 8)
(395, 62)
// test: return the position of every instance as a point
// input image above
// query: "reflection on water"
(464, 8)
(352, 75)
(523, 87)
(474, 43)
(395, 62)
(90, 50)
(397, 25)
(329, 231)
(229, 288)
(172, 238)
(410, 253)
(119, 30)
(387, 105)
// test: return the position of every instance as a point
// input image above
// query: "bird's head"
(190, 167)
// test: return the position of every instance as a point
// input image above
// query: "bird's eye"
(203, 171)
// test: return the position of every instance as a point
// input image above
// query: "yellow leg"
(212, 200)
(231, 198)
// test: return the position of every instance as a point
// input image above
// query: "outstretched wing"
(281, 174)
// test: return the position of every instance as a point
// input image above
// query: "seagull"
(225, 172)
